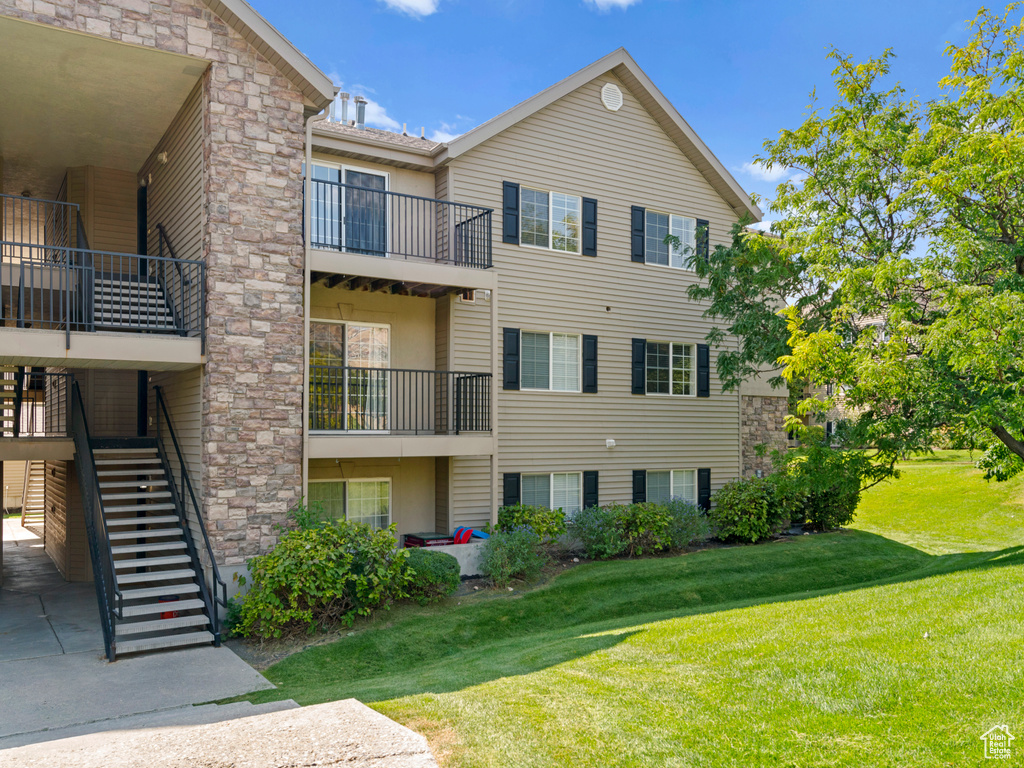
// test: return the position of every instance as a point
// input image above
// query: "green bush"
(746, 510)
(434, 575)
(687, 524)
(510, 555)
(999, 463)
(318, 577)
(638, 529)
(596, 530)
(548, 524)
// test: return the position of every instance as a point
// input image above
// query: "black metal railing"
(398, 401)
(376, 222)
(34, 403)
(50, 278)
(109, 597)
(213, 588)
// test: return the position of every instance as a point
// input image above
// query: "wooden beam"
(380, 285)
(336, 280)
(360, 283)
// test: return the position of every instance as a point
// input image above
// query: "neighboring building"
(491, 320)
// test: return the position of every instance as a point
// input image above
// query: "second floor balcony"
(360, 216)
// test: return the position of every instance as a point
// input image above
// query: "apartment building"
(198, 333)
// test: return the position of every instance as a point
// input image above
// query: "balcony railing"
(34, 403)
(51, 279)
(375, 222)
(398, 401)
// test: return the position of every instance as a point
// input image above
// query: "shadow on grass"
(450, 648)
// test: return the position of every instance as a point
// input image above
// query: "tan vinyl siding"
(107, 200)
(471, 495)
(110, 398)
(182, 392)
(442, 495)
(55, 518)
(14, 483)
(622, 159)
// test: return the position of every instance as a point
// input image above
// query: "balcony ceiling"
(71, 99)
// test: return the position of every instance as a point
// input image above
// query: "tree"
(898, 253)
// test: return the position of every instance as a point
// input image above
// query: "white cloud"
(415, 8)
(607, 5)
(763, 226)
(760, 172)
(445, 133)
(378, 117)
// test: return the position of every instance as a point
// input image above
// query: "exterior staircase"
(157, 576)
(11, 381)
(33, 496)
(122, 301)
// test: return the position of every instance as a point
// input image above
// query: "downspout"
(307, 197)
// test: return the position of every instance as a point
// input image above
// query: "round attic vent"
(611, 97)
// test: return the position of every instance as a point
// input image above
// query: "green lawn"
(882, 646)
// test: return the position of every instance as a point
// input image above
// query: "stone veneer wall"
(762, 421)
(253, 151)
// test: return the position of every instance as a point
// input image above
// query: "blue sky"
(737, 71)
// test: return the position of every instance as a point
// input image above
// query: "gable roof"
(622, 65)
(278, 50)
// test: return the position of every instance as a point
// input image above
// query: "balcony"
(376, 239)
(34, 414)
(356, 411)
(52, 281)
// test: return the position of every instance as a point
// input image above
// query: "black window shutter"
(590, 493)
(511, 486)
(639, 485)
(703, 226)
(637, 233)
(639, 366)
(704, 489)
(510, 212)
(589, 226)
(703, 370)
(590, 364)
(510, 364)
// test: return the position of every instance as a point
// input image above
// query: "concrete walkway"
(53, 673)
(341, 733)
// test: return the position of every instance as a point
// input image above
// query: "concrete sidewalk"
(341, 733)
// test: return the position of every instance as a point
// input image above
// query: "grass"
(882, 646)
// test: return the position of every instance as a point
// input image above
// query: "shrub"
(434, 575)
(999, 463)
(746, 510)
(597, 533)
(321, 576)
(638, 529)
(687, 524)
(509, 555)
(831, 481)
(232, 617)
(548, 524)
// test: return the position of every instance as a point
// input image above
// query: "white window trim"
(683, 267)
(345, 364)
(551, 362)
(551, 229)
(693, 370)
(346, 480)
(551, 483)
(387, 199)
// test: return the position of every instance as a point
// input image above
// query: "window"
(349, 210)
(672, 484)
(670, 368)
(558, 490)
(550, 361)
(550, 220)
(658, 226)
(349, 379)
(362, 501)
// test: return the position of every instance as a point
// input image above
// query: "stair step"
(159, 625)
(149, 450)
(166, 546)
(138, 578)
(143, 520)
(138, 471)
(105, 497)
(168, 589)
(170, 641)
(149, 533)
(133, 484)
(138, 508)
(149, 562)
(108, 462)
(173, 605)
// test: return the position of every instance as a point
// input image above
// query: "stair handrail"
(164, 239)
(107, 592)
(24, 491)
(220, 598)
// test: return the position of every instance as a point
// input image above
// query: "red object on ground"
(168, 599)
(428, 540)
